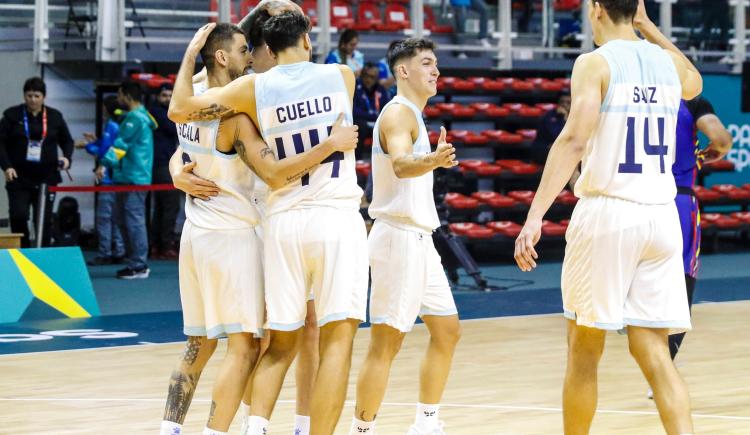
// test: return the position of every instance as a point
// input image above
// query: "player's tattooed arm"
(213, 111)
(259, 157)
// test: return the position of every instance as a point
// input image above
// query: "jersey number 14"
(299, 148)
(659, 149)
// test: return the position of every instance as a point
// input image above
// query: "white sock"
(301, 425)
(170, 428)
(427, 416)
(244, 409)
(256, 425)
(359, 426)
(208, 431)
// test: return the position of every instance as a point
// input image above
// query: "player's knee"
(449, 335)
(386, 349)
(284, 345)
(585, 350)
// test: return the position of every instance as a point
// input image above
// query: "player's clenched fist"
(344, 138)
(445, 154)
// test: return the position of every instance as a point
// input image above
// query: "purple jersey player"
(694, 115)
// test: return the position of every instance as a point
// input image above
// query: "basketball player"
(408, 279)
(622, 263)
(694, 115)
(307, 360)
(221, 297)
(315, 236)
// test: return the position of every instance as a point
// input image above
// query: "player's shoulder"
(589, 67)
(398, 115)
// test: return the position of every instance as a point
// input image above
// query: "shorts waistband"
(403, 224)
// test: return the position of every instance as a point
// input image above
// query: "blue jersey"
(297, 104)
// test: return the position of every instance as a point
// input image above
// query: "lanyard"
(377, 101)
(26, 124)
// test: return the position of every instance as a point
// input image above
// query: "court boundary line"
(489, 406)
(127, 346)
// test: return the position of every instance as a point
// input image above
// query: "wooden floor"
(507, 379)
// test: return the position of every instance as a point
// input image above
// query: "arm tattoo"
(213, 111)
(298, 175)
(239, 146)
(212, 412)
(181, 389)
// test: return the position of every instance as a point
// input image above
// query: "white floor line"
(350, 403)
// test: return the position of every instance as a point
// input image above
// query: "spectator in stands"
(166, 202)
(347, 53)
(549, 128)
(460, 7)
(111, 245)
(369, 99)
(132, 155)
(385, 76)
(715, 15)
(30, 134)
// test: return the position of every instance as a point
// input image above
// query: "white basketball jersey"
(297, 105)
(630, 154)
(233, 207)
(407, 201)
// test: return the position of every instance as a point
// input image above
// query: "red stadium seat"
(566, 197)
(551, 86)
(706, 195)
(525, 169)
(742, 216)
(490, 109)
(341, 15)
(450, 196)
(522, 86)
(479, 81)
(467, 137)
(457, 110)
(310, 8)
(565, 222)
(368, 142)
(464, 203)
(527, 134)
(464, 85)
(463, 227)
(531, 112)
(706, 224)
(396, 18)
(363, 168)
(503, 137)
(546, 106)
(153, 81)
(509, 163)
(432, 112)
(523, 196)
(493, 85)
(501, 202)
(480, 232)
(485, 195)
(731, 191)
(721, 220)
(505, 228)
(368, 16)
(488, 170)
(471, 164)
(444, 83)
(552, 229)
(430, 23)
(567, 5)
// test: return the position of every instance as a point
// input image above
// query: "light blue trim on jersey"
(299, 125)
(438, 313)
(570, 315)
(186, 146)
(286, 327)
(676, 324)
(224, 156)
(335, 317)
(219, 331)
(389, 322)
(651, 108)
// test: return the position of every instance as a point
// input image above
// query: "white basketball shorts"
(320, 249)
(221, 281)
(408, 279)
(623, 266)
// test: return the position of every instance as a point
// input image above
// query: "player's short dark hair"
(131, 89)
(284, 30)
(220, 38)
(347, 35)
(620, 11)
(166, 87)
(111, 105)
(253, 27)
(406, 49)
(35, 84)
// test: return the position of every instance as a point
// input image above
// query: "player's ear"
(402, 71)
(307, 43)
(221, 57)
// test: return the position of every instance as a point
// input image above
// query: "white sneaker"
(485, 42)
(245, 424)
(462, 56)
(438, 430)
(650, 394)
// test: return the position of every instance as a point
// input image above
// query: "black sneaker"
(100, 261)
(129, 273)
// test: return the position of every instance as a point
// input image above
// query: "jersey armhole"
(613, 77)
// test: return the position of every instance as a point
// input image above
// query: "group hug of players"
(275, 255)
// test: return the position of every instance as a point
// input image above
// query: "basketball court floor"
(109, 375)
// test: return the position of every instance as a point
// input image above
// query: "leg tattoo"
(181, 389)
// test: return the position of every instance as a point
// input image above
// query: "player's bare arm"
(185, 180)
(349, 79)
(398, 131)
(720, 140)
(588, 86)
(236, 97)
(239, 133)
(692, 82)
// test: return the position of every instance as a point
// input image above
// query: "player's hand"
(445, 154)
(10, 174)
(343, 138)
(525, 254)
(63, 163)
(709, 155)
(199, 39)
(194, 185)
(278, 7)
(99, 173)
(90, 137)
(641, 17)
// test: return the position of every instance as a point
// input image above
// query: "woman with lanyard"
(30, 134)
(369, 99)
